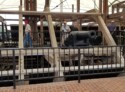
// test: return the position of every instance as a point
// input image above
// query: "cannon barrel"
(82, 38)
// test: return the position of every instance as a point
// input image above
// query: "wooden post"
(50, 25)
(41, 32)
(72, 7)
(105, 10)
(78, 10)
(20, 29)
(117, 8)
(61, 6)
(100, 6)
(54, 57)
(112, 9)
(20, 2)
(78, 5)
(26, 5)
(21, 57)
(109, 40)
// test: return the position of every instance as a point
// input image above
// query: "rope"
(58, 5)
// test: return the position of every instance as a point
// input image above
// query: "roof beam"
(45, 13)
(118, 4)
(117, 15)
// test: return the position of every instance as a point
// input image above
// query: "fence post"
(79, 65)
(14, 68)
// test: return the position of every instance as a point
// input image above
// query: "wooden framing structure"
(50, 16)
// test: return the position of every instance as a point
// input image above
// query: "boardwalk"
(94, 85)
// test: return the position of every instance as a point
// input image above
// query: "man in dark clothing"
(112, 27)
(74, 26)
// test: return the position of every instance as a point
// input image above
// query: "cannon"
(83, 38)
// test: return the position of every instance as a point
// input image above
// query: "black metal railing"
(50, 64)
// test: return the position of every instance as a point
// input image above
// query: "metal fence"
(53, 63)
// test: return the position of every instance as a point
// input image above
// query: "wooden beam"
(20, 2)
(26, 5)
(20, 29)
(116, 15)
(100, 6)
(72, 7)
(61, 6)
(109, 40)
(78, 5)
(105, 9)
(47, 4)
(50, 25)
(113, 10)
(21, 57)
(118, 4)
(46, 13)
(52, 32)
(41, 32)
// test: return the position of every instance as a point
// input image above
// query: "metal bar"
(79, 65)
(96, 52)
(82, 68)
(14, 68)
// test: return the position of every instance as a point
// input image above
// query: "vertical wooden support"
(105, 10)
(35, 5)
(31, 5)
(109, 40)
(117, 8)
(100, 6)
(41, 32)
(72, 7)
(78, 10)
(52, 32)
(54, 57)
(26, 5)
(61, 6)
(20, 29)
(21, 2)
(112, 10)
(50, 25)
(21, 57)
(78, 5)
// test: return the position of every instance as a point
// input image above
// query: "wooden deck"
(116, 84)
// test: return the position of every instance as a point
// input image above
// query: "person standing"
(112, 27)
(65, 29)
(27, 37)
(74, 26)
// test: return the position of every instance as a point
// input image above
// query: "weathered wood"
(116, 15)
(47, 13)
(41, 32)
(61, 6)
(105, 10)
(100, 6)
(78, 5)
(109, 40)
(20, 2)
(21, 57)
(72, 7)
(118, 4)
